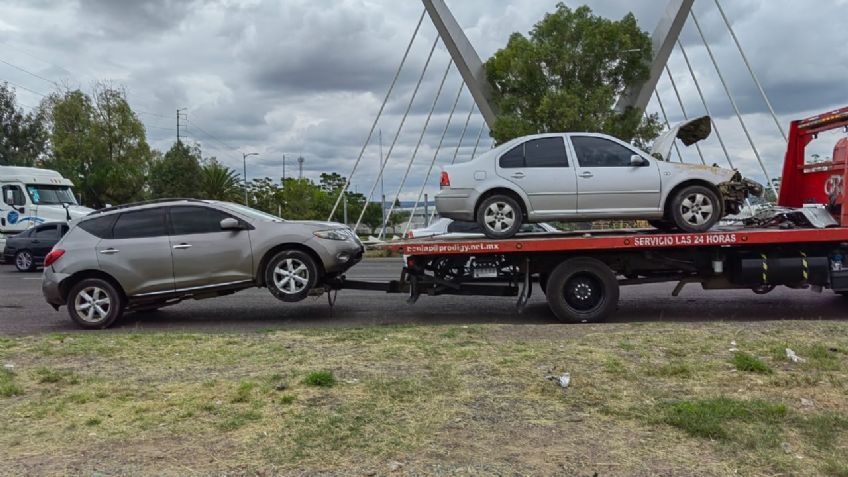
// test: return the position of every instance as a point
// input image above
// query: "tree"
(567, 75)
(177, 174)
(219, 182)
(23, 139)
(100, 144)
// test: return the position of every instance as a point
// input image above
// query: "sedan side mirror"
(10, 198)
(230, 224)
(638, 161)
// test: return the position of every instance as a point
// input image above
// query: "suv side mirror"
(638, 161)
(10, 197)
(230, 224)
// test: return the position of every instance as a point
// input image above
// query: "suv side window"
(47, 232)
(196, 220)
(514, 158)
(599, 152)
(100, 227)
(17, 193)
(141, 224)
(545, 152)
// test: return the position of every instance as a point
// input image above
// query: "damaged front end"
(736, 190)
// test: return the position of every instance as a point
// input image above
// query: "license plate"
(485, 273)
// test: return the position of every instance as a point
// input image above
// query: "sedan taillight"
(51, 257)
(409, 235)
(445, 179)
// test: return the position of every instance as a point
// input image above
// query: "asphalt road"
(23, 310)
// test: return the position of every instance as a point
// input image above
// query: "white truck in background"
(31, 196)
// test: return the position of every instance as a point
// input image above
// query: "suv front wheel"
(290, 275)
(94, 304)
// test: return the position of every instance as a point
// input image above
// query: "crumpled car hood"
(689, 132)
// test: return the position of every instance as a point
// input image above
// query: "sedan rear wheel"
(695, 209)
(290, 275)
(500, 216)
(24, 261)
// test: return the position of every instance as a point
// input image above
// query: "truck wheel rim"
(92, 304)
(499, 216)
(291, 276)
(24, 261)
(583, 292)
(697, 209)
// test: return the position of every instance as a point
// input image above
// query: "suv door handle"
(587, 175)
(182, 246)
(518, 175)
(110, 251)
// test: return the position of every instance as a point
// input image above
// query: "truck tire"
(695, 209)
(291, 275)
(500, 216)
(582, 290)
(24, 261)
(95, 304)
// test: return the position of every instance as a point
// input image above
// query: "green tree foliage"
(23, 138)
(177, 174)
(567, 76)
(100, 144)
(219, 182)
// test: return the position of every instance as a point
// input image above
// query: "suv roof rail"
(144, 202)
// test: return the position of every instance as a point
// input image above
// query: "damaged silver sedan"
(588, 176)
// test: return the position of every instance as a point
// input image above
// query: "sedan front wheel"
(695, 209)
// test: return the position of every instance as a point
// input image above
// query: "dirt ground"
(672, 399)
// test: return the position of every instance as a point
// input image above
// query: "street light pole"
(244, 157)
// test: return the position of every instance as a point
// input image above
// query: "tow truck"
(580, 273)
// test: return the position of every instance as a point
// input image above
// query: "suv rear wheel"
(500, 216)
(290, 275)
(94, 303)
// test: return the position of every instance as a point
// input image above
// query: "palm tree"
(219, 182)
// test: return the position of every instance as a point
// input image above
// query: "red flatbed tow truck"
(581, 272)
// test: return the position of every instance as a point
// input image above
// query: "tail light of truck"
(409, 235)
(51, 257)
(445, 180)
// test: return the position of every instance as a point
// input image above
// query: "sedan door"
(203, 254)
(138, 254)
(42, 240)
(608, 184)
(540, 167)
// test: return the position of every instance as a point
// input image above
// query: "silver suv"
(586, 176)
(144, 256)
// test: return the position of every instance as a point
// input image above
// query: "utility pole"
(179, 115)
(244, 157)
(300, 161)
(426, 212)
(284, 170)
(382, 189)
(344, 198)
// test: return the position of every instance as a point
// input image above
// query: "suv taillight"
(51, 257)
(445, 179)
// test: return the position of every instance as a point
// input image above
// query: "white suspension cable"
(683, 109)
(397, 134)
(462, 135)
(704, 102)
(733, 103)
(751, 70)
(668, 125)
(377, 119)
(433, 162)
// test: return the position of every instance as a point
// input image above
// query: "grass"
(749, 363)
(644, 399)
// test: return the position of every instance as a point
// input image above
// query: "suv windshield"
(50, 194)
(251, 213)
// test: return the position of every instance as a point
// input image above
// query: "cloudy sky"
(307, 77)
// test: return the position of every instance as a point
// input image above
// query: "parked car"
(145, 256)
(587, 176)
(449, 228)
(28, 248)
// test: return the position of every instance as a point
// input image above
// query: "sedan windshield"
(251, 213)
(50, 194)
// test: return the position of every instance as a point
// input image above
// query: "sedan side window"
(544, 152)
(599, 152)
(196, 220)
(140, 224)
(47, 232)
(514, 158)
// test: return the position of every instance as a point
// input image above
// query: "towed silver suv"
(144, 256)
